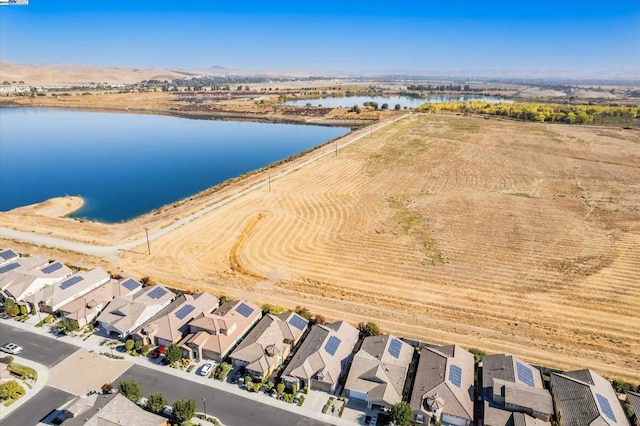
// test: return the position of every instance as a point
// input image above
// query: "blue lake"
(124, 165)
(404, 101)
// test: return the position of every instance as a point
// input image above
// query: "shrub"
(33, 310)
(270, 385)
(138, 345)
(369, 329)
(156, 402)
(145, 350)
(23, 371)
(9, 359)
(294, 389)
(478, 354)
(306, 389)
(320, 319)
(303, 312)
(48, 319)
(301, 401)
(128, 345)
(280, 388)
(23, 310)
(11, 390)
(223, 371)
(107, 388)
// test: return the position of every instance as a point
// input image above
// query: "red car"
(158, 351)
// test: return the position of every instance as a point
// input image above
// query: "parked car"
(158, 351)
(11, 348)
(206, 369)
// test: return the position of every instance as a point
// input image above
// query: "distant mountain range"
(63, 74)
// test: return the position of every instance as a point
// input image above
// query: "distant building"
(323, 357)
(443, 389)
(126, 313)
(14, 264)
(583, 397)
(269, 343)
(212, 336)
(379, 370)
(514, 392)
(169, 325)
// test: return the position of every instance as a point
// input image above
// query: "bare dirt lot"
(510, 237)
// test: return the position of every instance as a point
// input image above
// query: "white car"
(11, 348)
(206, 369)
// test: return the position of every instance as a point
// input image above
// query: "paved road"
(113, 251)
(40, 349)
(230, 409)
(38, 407)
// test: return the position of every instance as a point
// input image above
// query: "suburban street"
(38, 407)
(49, 351)
(43, 350)
(230, 409)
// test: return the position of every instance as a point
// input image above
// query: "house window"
(419, 419)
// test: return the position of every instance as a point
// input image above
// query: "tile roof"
(583, 397)
(111, 409)
(264, 346)
(433, 378)
(312, 360)
(376, 372)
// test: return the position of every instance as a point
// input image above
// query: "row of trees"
(183, 409)
(553, 113)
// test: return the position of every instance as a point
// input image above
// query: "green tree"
(173, 353)
(11, 308)
(66, 326)
(478, 354)
(401, 414)
(138, 345)
(398, 107)
(385, 106)
(183, 410)
(130, 389)
(156, 402)
(248, 381)
(303, 312)
(128, 345)
(23, 310)
(280, 388)
(145, 350)
(369, 329)
(223, 370)
(11, 390)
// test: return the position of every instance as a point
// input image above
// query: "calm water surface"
(125, 165)
(404, 101)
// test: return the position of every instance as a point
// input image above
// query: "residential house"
(212, 336)
(21, 283)
(85, 309)
(169, 325)
(126, 313)
(323, 357)
(583, 397)
(513, 391)
(269, 343)
(379, 370)
(633, 399)
(19, 264)
(109, 409)
(443, 389)
(51, 298)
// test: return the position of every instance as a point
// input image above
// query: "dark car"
(158, 351)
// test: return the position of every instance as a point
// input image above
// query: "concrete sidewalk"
(92, 344)
(43, 375)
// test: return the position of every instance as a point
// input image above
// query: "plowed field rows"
(510, 237)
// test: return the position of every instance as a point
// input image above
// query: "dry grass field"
(510, 237)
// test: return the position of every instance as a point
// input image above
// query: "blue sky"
(345, 36)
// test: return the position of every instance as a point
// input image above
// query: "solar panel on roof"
(8, 254)
(52, 268)
(184, 311)
(524, 374)
(130, 284)
(332, 345)
(606, 407)
(394, 348)
(71, 281)
(9, 267)
(244, 310)
(298, 322)
(157, 293)
(455, 375)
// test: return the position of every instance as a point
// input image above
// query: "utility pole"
(146, 231)
(269, 182)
